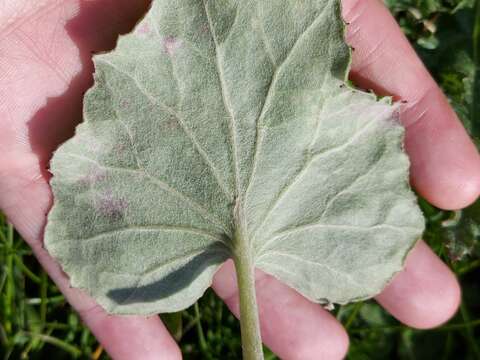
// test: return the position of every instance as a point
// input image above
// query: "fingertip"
(461, 191)
(471, 189)
(439, 310)
(425, 294)
(457, 191)
(445, 164)
(344, 346)
(340, 344)
(329, 341)
(442, 311)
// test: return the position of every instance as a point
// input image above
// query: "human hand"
(45, 66)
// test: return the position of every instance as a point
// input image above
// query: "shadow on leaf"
(174, 282)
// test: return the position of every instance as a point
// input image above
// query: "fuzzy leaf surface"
(219, 122)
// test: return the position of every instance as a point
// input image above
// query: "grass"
(37, 323)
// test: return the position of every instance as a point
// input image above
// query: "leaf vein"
(164, 186)
(347, 276)
(152, 228)
(226, 100)
(182, 124)
(260, 132)
(263, 37)
(305, 169)
(313, 226)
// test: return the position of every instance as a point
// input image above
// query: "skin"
(45, 67)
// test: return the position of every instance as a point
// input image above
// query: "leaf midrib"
(226, 102)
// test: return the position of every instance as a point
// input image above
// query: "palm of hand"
(45, 52)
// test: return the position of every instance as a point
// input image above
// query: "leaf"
(225, 129)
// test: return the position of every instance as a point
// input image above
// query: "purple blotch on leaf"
(144, 29)
(93, 177)
(171, 44)
(110, 205)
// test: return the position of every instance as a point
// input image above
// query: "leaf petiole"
(249, 320)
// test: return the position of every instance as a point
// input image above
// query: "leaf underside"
(216, 118)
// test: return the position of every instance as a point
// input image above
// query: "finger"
(291, 326)
(445, 165)
(425, 294)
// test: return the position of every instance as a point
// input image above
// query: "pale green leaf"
(216, 118)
